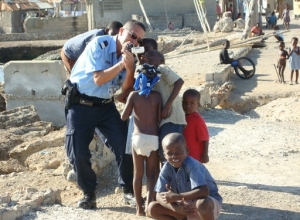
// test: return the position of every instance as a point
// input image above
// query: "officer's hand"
(128, 58)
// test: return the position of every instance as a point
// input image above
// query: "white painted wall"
(36, 83)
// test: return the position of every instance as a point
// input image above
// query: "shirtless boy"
(281, 63)
(146, 105)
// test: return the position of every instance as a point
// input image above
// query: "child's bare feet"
(140, 211)
(140, 214)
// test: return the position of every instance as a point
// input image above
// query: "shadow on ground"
(241, 212)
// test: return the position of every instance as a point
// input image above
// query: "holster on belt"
(71, 92)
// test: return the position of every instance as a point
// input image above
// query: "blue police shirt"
(76, 45)
(99, 54)
(190, 175)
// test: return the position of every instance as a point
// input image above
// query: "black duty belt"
(93, 101)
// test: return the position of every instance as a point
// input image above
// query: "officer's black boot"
(88, 201)
(128, 197)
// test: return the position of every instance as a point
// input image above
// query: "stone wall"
(37, 36)
(56, 24)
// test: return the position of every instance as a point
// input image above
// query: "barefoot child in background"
(196, 132)
(294, 59)
(185, 188)
(283, 56)
(146, 106)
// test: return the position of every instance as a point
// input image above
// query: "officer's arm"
(103, 76)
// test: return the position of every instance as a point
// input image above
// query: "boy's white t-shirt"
(279, 34)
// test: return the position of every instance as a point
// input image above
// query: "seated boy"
(182, 179)
(225, 59)
(256, 31)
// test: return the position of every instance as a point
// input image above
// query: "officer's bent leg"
(115, 130)
(79, 134)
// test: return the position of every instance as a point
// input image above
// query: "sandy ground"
(253, 157)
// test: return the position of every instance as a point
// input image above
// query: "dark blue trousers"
(81, 123)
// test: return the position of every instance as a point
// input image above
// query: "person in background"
(171, 25)
(74, 47)
(230, 9)
(267, 14)
(286, 17)
(218, 10)
(239, 15)
(195, 133)
(256, 31)
(281, 63)
(185, 188)
(103, 67)
(294, 59)
(277, 34)
(225, 59)
(272, 21)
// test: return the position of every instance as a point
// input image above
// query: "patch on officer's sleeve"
(103, 44)
(97, 55)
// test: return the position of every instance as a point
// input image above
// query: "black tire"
(251, 67)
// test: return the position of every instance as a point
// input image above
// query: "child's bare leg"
(138, 164)
(282, 73)
(297, 75)
(157, 211)
(205, 208)
(151, 165)
(279, 72)
(292, 73)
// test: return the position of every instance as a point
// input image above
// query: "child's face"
(281, 46)
(227, 45)
(152, 57)
(175, 153)
(190, 104)
(294, 42)
(148, 47)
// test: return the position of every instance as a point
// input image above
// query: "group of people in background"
(293, 57)
(293, 52)
(169, 135)
(272, 18)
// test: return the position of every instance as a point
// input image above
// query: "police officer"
(73, 48)
(103, 67)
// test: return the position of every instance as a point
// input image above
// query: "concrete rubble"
(29, 144)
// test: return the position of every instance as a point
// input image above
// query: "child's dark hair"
(295, 38)
(276, 28)
(150, 41)
(225, 42)
(192, 93)
(115, 25)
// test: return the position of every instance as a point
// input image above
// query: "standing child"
(196, 132)
(283, 56)
(294, 59)
(146, 105)
(185, 187)
(286, 17)
(173, 117)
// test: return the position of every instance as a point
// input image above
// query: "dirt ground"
(254, 157)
